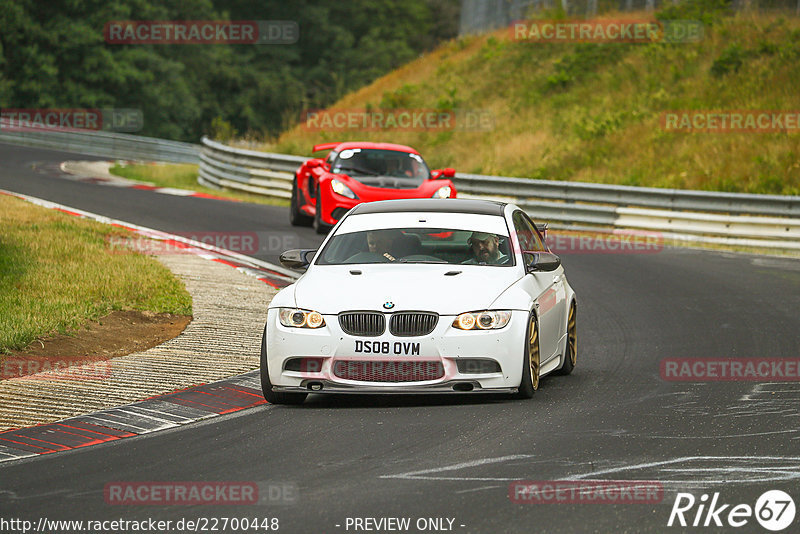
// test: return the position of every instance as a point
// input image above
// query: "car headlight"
(482, 320)
(442, 192)
(341, 189)
(295, 318)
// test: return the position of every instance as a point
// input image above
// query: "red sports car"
(355, 172)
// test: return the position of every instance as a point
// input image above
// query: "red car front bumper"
(334, 205)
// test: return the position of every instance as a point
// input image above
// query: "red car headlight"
(443, 192)
(340, 189)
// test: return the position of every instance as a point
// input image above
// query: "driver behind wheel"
(382, 242)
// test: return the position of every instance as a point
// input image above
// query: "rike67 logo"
(774, 510)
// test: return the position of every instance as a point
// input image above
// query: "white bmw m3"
(421, 296)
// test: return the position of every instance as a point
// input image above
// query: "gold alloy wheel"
(572, 336)
(533, 353)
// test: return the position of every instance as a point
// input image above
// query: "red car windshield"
(359, 162)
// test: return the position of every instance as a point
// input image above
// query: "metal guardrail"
(652, 197)
(104, 144)
(256, 172)
(770, 221)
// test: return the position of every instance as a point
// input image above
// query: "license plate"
(399, 348)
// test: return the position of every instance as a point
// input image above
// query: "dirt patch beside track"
(117, 334)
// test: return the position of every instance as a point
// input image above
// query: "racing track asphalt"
(454, 457)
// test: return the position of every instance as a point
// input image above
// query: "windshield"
(417, 245)
(373, 162)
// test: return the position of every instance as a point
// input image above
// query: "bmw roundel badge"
(388, 305)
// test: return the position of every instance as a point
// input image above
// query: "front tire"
(297, 217)
(571, 356)
(275, 397)
(319, 225)
(531, 363)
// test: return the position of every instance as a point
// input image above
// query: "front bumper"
(334, 205)
(455, 386)
(445, 346)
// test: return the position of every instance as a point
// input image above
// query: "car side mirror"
(540, 261)
(443, 173)
(297, 258)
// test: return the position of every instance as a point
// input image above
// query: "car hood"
(330, 289)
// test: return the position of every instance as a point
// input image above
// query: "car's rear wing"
(326, 146)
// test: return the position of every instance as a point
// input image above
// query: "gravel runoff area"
(223, 339)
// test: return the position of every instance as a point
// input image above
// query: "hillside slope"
(593, 112)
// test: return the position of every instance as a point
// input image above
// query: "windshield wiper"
(359, 169)
(403, 260)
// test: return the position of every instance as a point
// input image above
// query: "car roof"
(378, 146)
(446, 205)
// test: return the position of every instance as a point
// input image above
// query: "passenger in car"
(485, 249)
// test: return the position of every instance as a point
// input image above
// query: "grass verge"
(57, 272)
(184, 176)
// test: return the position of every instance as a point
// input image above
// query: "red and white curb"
(118, 181)
(266, 272)
(151, 415)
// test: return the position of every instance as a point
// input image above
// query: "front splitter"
(441, 387)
